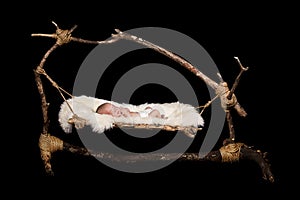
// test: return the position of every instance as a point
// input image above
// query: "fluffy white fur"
(178, 114)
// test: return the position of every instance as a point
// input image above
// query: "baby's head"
(109, 109)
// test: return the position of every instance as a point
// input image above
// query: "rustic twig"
(64, 36)
(233, 152)
(147, 157)
(181, 61)
(236, 82)
(39, 70)
(229, 153)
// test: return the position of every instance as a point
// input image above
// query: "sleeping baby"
(115, 111)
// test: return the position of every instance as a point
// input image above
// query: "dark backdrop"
(250, 32)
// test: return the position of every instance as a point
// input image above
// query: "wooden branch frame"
(229, 152)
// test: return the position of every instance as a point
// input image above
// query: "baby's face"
(115, 111)
(119, 111)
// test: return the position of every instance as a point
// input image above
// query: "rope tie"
(40, 70)
(63, 36)
(77, 121)
(50, 143)
(207, 104)
(231, 152)
(223, 91)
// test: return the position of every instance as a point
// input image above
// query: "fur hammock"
(179, 116)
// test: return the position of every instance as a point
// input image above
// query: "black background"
(257, 34)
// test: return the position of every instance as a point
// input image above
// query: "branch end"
(55, 24)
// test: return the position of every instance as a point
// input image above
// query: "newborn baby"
(115, 111)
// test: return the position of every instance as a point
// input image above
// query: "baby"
(115, 111)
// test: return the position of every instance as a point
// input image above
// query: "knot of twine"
(50, 143)
(231, 152)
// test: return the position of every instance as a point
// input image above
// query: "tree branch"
(233, 152)
(228, 153)
(236, 82)
(39, 70)
(178, 59)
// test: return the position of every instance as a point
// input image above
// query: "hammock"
(81, 111)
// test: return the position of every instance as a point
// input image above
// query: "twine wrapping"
(50, 143)
(231, 152)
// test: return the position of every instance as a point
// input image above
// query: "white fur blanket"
(178, 114)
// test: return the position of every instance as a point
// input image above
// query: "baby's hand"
(164, 117)
(125, 112)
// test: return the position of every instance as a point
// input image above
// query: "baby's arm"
(134, 114)
(127, 113)
(156, 113)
